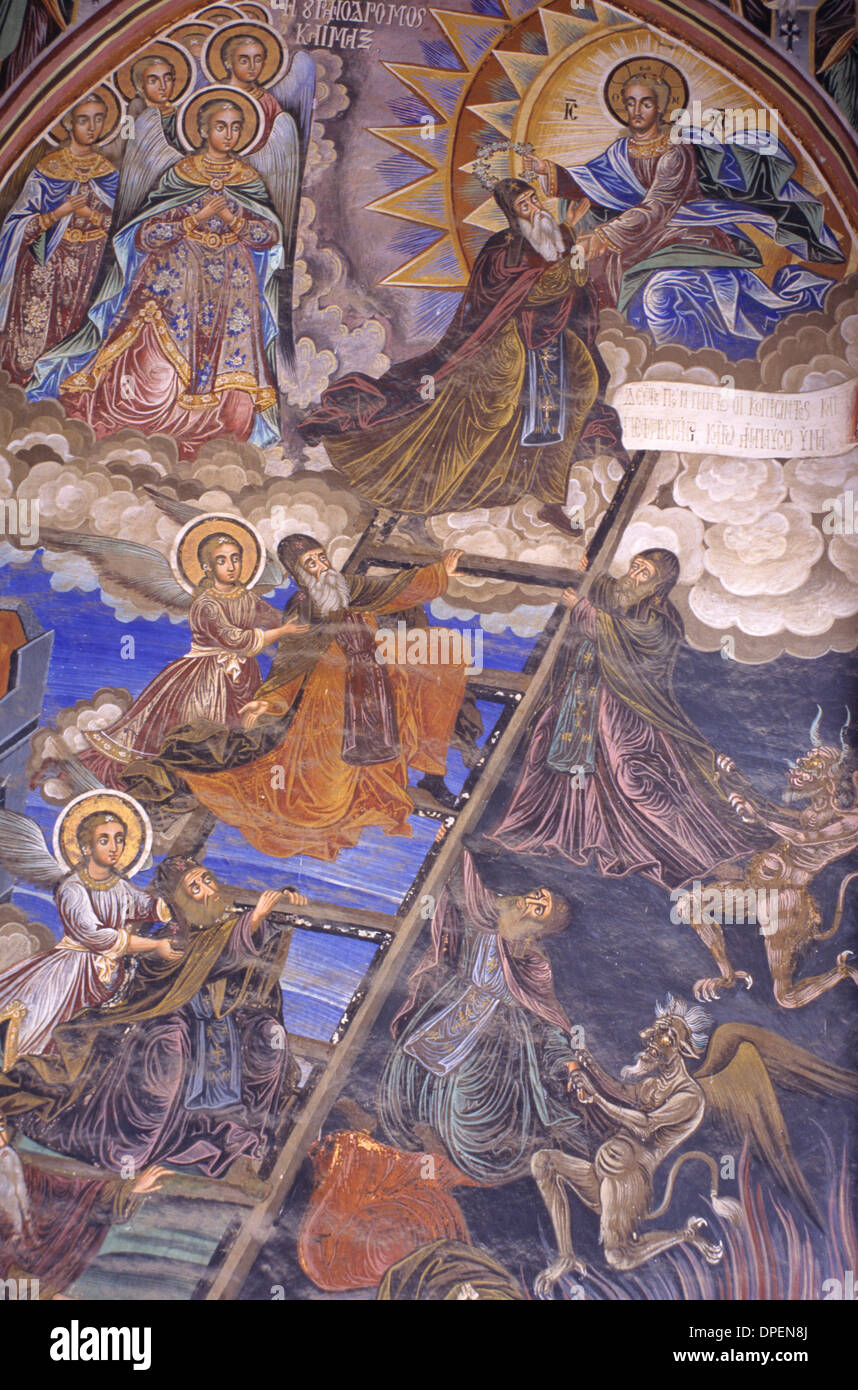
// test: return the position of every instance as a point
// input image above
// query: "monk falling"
(330, 735)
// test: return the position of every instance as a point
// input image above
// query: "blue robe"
(47, 271)
(709, 295)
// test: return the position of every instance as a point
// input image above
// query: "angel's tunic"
(183, 337)
(212, 681)
(48, 267)
(86, 969)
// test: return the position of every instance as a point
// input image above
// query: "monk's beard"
(329, 592)
(509, 913)
(14, 1199)
(626, 594)
(196, 914)
(544, 235)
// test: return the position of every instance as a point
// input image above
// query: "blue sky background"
(323, 971)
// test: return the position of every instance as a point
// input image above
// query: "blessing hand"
(451, 560)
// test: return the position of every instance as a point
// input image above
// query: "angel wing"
(280, 163)
(296, 92)
(272, 577)
(737, 1074)
(24, 853)
(141, 161)
(124, 565)
(146, 157)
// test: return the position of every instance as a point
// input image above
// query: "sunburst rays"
(525, 73)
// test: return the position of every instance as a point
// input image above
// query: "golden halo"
(645, 66)
(185, 33)
(257, 12)
(218, 14)
(185, 559)
(250, 109)
(270, 41)
(58, 133)
(171, 53)
(138, 831)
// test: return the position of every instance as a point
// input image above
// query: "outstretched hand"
(451, 560)
(268, 900)
(252, 712)
(150, 1180)
(167, 951)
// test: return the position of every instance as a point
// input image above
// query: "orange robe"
(302, 798)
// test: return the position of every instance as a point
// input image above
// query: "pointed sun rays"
(427, 200)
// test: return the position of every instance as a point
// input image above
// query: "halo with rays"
(534, 76)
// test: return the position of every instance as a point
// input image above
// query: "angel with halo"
(218, 568)
(190, 334)
(101, 839)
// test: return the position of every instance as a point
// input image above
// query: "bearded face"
(329, 591)
(201, 900)
(535, 913)
(637, 584)
(815, 771)
(543, 233)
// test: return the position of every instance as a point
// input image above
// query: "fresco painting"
(429, 712)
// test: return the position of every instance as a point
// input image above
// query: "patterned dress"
(47, 265)
(187, 339)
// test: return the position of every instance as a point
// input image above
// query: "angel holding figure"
(101, 839)
(218, 567)
(190, 335)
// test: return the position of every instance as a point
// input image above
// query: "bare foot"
(543, 1284)
(846, 970)
(711, 1250)
(708, 988)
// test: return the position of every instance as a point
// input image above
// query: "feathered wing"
(147, 156)
(277, 162)
(737, 1075)
(24, 854)
(296, 92)
(138, 569)
(280, 163)
(272, 577)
